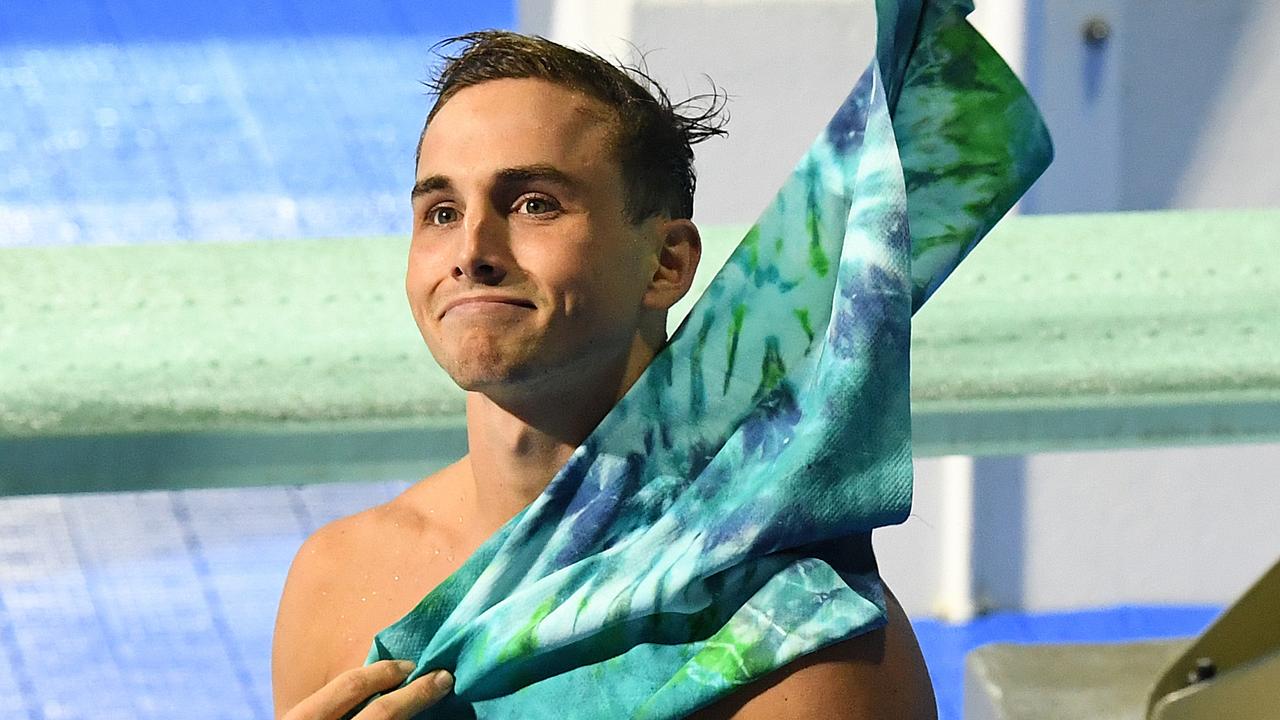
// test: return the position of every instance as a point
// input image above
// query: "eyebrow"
(430, 184)
(506, 176)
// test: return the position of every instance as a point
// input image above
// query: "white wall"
(1176, 109)
(1082, 529)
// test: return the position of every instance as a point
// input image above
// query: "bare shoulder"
(324, 614)
(344, 547)
(326, 557)
(335, 546)
(879, 674)
(309, 606)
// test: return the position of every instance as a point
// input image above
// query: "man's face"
(523, 267)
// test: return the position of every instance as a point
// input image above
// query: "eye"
(442, 215)
(536, 205)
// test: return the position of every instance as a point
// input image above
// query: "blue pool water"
(133, 121)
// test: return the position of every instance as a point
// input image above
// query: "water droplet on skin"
(437, 551)
(364, 599)
(396, 578)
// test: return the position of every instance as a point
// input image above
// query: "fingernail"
(406, 666)
(443, 680)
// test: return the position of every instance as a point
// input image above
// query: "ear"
(677, 261)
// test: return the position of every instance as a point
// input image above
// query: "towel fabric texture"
(716, 525)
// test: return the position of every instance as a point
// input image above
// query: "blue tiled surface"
(161, 604)
(132, 121)
(151, 605)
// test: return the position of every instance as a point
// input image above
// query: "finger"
(349, 689)
(408, 701)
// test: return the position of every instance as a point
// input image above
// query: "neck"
(518, 441)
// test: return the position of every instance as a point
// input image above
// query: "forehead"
(515, 122)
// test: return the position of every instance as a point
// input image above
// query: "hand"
(348, 690)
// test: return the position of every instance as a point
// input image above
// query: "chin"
(475, 360)
(499, 367)
(484, 382)
(485, 372)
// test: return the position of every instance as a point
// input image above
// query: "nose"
(483, 253)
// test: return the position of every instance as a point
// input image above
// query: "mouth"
(483, 302)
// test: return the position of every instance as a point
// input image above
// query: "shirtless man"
(551, 234)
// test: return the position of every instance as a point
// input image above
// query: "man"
(551, 234)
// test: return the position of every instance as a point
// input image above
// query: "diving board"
(288, 361)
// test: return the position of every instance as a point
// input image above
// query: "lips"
(486, 298)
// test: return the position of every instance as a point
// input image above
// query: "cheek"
(413, 283)
(611, 289)
(596, 273)
(420, 280)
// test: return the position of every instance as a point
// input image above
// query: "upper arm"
(879, 674)
(299, 644)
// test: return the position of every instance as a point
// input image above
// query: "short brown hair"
(653, 138)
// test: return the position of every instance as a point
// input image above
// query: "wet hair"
(652, 137)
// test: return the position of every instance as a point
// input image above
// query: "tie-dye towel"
(714, 526)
